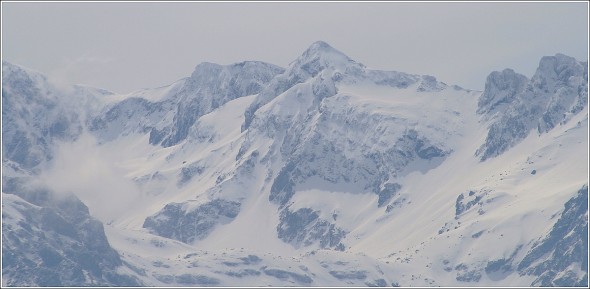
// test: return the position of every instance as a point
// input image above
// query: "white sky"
(127, 46)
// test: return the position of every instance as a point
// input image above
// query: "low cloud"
(83, 169)
(80, 70)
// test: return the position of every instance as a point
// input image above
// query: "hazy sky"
(127, 46)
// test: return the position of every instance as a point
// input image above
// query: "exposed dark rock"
(387, 193)
(286, 275)
(304, 228)
(175, 222)
(55, 243)
(566, 245)
(354, 275)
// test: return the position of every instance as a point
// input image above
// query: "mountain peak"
(321, 49)
(501, 88)
(206, 68)
(207, 72)
(319, 56)
(320, 46)
(559, 67)
(210, 67)
(14, 69)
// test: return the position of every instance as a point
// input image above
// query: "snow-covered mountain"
(323, 173)
(557, 92)
(168, 113)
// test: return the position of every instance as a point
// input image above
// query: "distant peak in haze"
(207, 66)
(208, 71)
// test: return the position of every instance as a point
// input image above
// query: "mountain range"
(323, 173)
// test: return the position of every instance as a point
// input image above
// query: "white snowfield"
(304, 184)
